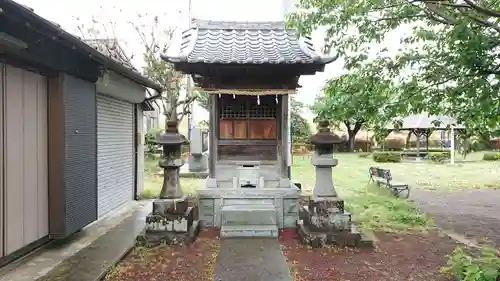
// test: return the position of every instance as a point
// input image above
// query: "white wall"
(119, 87)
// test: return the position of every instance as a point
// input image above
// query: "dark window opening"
(247, 118)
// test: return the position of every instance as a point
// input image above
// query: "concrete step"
(242, 215)
(249, 231)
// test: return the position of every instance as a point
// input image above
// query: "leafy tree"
(155, 40)
(300, 127)
(356, 100)
(202, 100)
(450, 56)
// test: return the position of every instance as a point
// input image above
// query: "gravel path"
(474, 214)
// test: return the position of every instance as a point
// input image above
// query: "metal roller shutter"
(115, 153)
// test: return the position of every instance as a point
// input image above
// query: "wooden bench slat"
(398, 184)
(384, 177)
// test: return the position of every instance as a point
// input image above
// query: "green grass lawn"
(373, 207)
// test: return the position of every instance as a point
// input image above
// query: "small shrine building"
(249, 69)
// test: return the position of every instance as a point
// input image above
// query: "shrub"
(148, 194)
(363, 145)
(438, 156)
(465, 266)
(394, 144)
(364, 154)
(491, 156)
(423, 143)
(301, 148)
(150, 139)
(386, 157)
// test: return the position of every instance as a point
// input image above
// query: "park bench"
(384, 177)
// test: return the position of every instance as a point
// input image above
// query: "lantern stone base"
(170, 205)
(185, 236)
(172, 221)
(325, 222)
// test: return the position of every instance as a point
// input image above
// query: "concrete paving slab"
(85, 255)
(251, 259)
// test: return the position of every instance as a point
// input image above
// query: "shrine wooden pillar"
(213, 134)
(283, 151)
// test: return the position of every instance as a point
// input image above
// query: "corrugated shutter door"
(115, 153)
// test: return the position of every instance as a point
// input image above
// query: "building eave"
(78, 45)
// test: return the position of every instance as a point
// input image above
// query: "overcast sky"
(71, 14)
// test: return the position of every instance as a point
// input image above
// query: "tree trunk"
(352, 134)
(407, 145)
(351, 141)
(170, 114)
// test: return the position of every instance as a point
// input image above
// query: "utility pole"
(189, 87)
(286, 7)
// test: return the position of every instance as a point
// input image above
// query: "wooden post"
(213, 134)
(452, 144)
(284, 137)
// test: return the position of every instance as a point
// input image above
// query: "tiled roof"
(424, 121)
(245, 43)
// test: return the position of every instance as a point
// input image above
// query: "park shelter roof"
(424, 121)
(216, 42)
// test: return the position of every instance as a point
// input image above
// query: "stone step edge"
(237, 231)
(248, 207)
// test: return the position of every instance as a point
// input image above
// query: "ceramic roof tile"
(245, 43)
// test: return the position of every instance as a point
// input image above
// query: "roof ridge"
(249, 25)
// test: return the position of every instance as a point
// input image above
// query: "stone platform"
(249, 220)
(186, 173)
(249, 212)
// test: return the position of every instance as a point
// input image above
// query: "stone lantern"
(324, 221)
(172, 204)
(171, 161)
(323, 160)
(172, 220)
(326, 210)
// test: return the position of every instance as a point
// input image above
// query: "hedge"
(386, 157)
(491, 156)
(439, 156)
(394, 144)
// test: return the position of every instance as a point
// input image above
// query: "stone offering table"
(173, 220)
(324, 221)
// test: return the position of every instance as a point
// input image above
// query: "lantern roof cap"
(324, 136)
(171, 135)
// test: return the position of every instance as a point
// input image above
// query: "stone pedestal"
(323, 164)
(198, 162)
(171, 187)
(324, 221)
(172, 220)
(198, 150)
